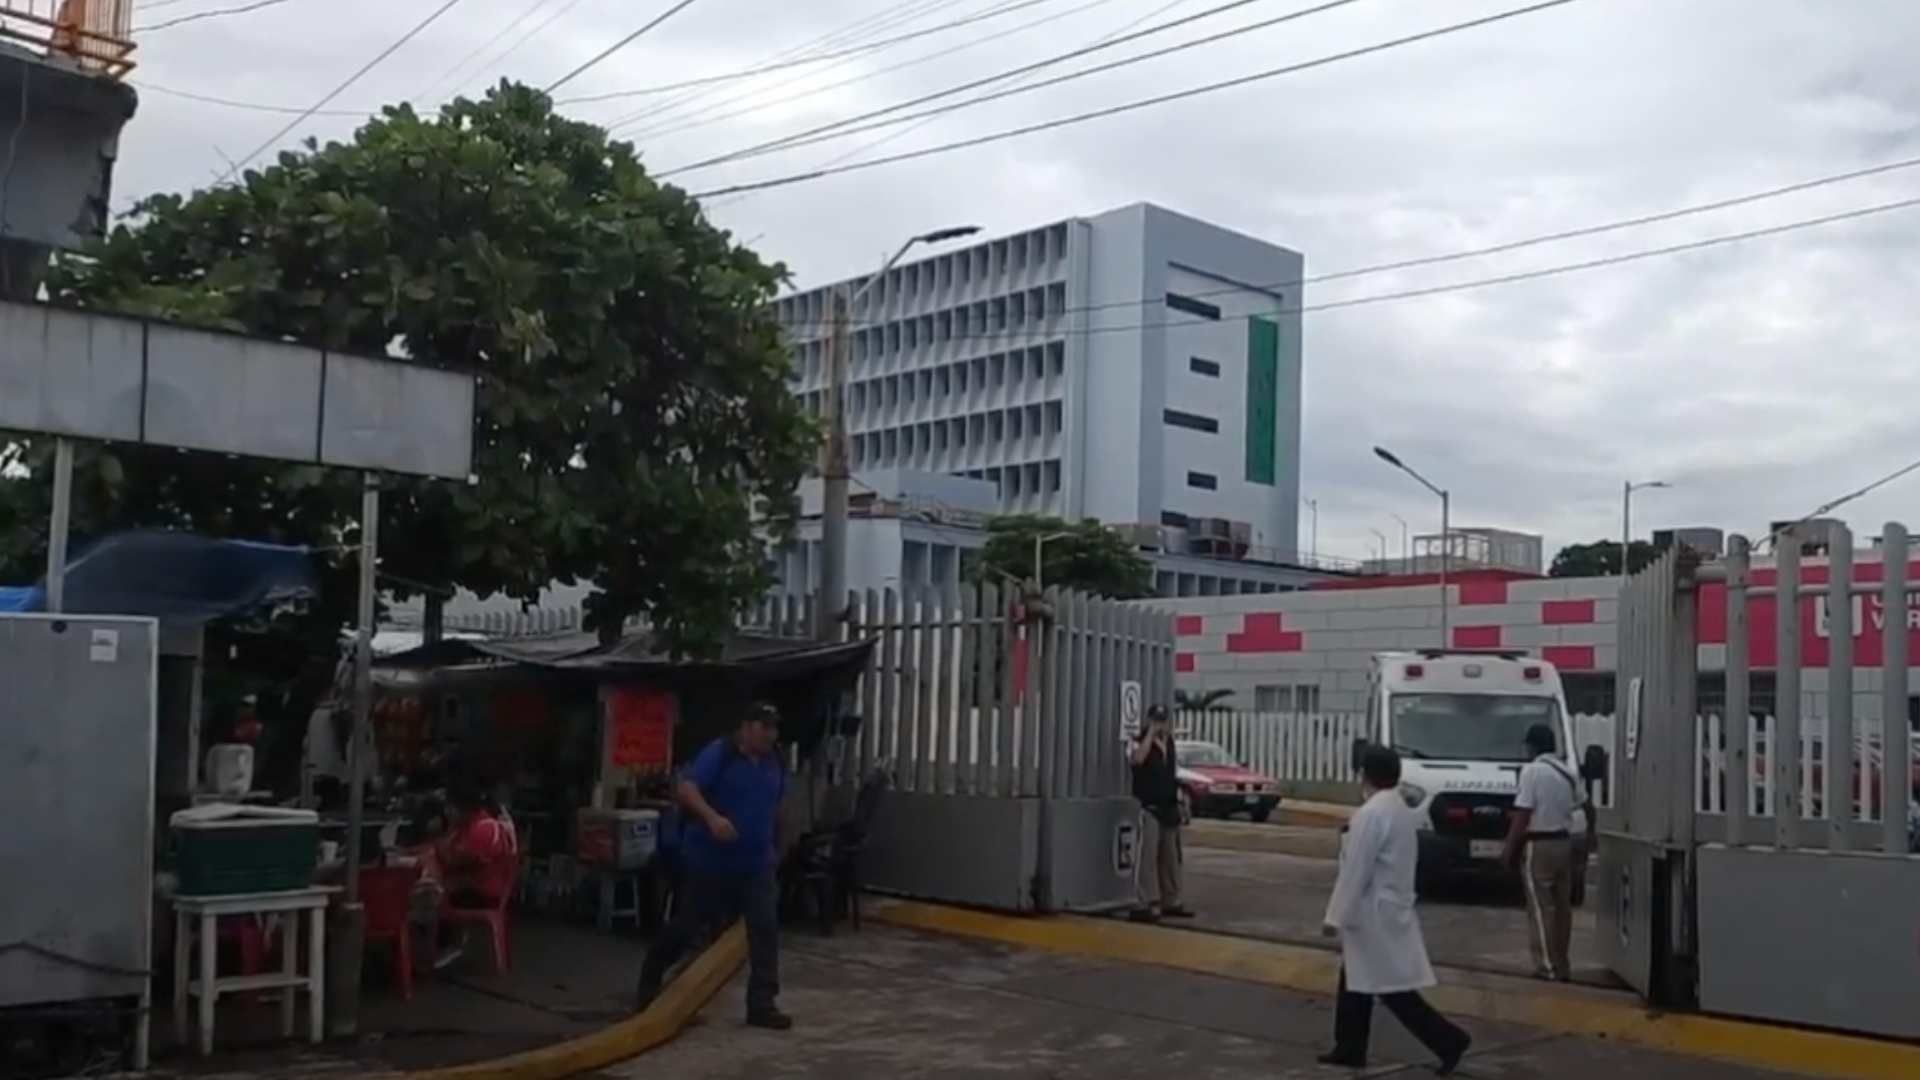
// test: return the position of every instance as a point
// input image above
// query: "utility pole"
(835, 475)
(1626, 523)
(1313, 536)
(834, 470)
(1446, 535)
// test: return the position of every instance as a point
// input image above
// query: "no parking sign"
(1130, 706)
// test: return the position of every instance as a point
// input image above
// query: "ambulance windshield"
(1468, 727)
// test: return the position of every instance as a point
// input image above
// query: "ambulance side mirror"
(1594, 765)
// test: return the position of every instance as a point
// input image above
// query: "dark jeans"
(709, 900)
(1353, 1022)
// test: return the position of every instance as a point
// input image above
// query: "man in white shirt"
(1540, 847)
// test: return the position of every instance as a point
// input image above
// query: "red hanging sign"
(641, 723)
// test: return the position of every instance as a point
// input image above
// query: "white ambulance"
(1459, 720)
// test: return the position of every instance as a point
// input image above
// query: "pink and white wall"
(1310, 650)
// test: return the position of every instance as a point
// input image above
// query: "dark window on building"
(1188, 420)
(1203, 481)
(1204, 367)
(1173, 519)
(1192, 307)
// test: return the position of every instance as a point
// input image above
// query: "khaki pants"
(1547, 873)
(1157, 877)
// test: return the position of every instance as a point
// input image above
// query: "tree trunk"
(433, 622)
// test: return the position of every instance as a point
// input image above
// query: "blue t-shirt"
(745, 792)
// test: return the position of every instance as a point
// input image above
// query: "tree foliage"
(1599, 559)
(634, 427)
(1086, 556)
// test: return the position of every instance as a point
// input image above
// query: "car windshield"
(1468, 727)
(1204, 753)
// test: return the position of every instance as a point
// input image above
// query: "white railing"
(1293, 747)
(1318, 747)
(1711, 780)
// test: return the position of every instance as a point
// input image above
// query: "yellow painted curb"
(1570, 1010)
(677, 1004)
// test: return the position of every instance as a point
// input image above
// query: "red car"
(1215, 785)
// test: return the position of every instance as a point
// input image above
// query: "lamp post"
(1313, 537)
(1406, 545)
(1446, 532)
(835, 471)
(1626, 522)
(1382, 537)
(1039, 545)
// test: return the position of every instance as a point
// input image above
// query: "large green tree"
(1086, 556)
(634, 427)
(1599, 559)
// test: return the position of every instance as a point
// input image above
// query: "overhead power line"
(911, 128)
(768, 69)
(499, 36)
(840, 129)
(1523, 243)
(1143, 103)
(199, 15)
(522, 41)
(1475, 284)
(235, 103)
(418, 28)
(600, 56)
(900, 15)
(926, 58)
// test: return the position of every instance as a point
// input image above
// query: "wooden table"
(207, 910)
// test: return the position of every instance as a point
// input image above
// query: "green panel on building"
(1263, 399)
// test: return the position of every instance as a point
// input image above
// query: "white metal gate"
(999, 716)
(1782, 891)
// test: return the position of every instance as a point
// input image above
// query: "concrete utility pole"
(1313, 535)
(1626, 523)
(1446, 535)
(835, 469)
(1406, 543)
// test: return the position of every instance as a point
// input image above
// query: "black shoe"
(1342, 1061)
(1452, 1061)
(1143, 915)
(1177, 913)
(770, 1019)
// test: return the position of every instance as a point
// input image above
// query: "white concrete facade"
(1137, 367)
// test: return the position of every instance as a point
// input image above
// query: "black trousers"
(714, 901)
(1353, 1022)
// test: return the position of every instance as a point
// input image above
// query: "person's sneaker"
(770, 1019)
(1177, 913)
(1341, 1061)
(1143, 915)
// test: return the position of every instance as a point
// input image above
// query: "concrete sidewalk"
(898, 1003)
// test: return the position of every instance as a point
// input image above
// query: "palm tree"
(1200, 702)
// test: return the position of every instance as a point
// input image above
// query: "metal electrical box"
(77, 716)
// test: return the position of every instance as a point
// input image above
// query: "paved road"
(894, 1003)
(1282, 897)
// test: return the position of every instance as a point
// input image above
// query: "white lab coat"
(1372, 903)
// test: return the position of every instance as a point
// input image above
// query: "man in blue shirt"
(730, 801)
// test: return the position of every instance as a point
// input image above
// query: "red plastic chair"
(387, 894)
(493, 918)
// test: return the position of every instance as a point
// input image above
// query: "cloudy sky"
(1760, 378)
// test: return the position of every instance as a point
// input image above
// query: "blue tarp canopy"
(175, 576)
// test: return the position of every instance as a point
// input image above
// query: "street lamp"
(1382, 537)
(835, 471)
(1626, 521)
(1313, 538)
(1406, 546)
(1446, 532)
(1040, 543)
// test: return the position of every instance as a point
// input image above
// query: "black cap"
(1541, 740)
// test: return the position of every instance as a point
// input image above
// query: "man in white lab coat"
(1381, 951)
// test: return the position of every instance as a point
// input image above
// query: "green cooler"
(224, 849)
